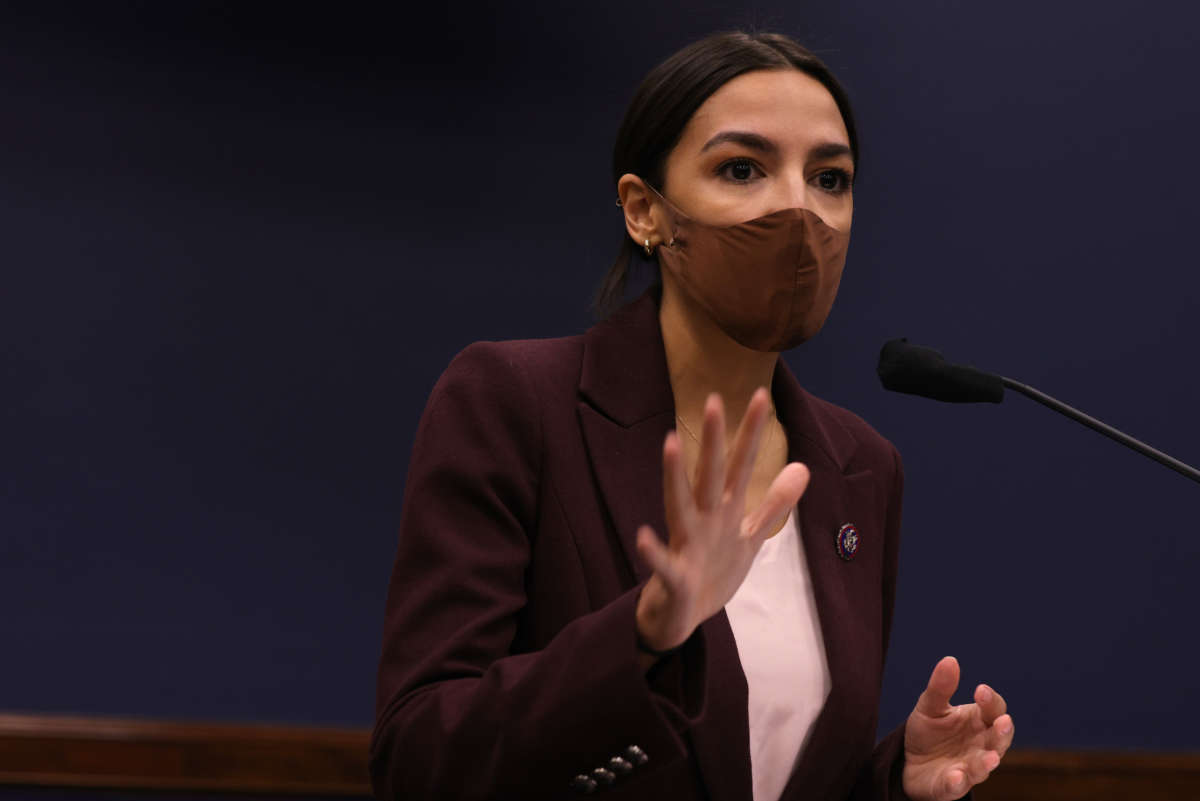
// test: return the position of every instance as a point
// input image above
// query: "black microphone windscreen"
(915, 370)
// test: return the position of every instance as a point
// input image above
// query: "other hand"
(950, 749)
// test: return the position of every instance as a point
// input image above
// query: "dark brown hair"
(669, 95)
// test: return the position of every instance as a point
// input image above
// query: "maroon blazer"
(509, 666)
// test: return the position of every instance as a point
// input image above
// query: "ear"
(644, 214)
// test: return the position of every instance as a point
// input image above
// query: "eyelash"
(845, 178)
(722, 170)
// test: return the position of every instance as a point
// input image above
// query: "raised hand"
(712, 540)
(949, 749)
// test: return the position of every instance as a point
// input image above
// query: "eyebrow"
(754, 141)
(830, 150)
(746, 138)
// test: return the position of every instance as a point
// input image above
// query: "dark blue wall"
(239, 247)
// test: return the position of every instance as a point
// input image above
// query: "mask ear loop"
(675, 212)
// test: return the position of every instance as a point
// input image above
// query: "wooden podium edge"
(1059, 775)
(125, 753)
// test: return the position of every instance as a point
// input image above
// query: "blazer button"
(636, 755)
(619, 766)
(583, 783)
(604, 776)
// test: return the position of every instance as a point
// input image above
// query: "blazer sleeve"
(882, 777)
(458, 715)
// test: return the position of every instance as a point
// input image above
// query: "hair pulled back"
(668, 97)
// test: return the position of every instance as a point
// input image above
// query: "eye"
(835, 181)
(739, 171)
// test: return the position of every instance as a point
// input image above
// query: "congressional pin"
(847, 541)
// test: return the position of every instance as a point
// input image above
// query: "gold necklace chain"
(692, 434)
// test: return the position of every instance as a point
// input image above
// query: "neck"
(701, 359)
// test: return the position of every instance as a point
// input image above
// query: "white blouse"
(774, 620)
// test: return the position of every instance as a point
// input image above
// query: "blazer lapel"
(625, 412)
(627, 465)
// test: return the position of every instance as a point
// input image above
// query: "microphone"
(923, 371)
(915, 370)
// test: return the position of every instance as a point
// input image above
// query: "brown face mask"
(769, 283)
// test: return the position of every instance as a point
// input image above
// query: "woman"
(542, 639)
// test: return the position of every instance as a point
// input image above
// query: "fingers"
(977, 755)
(1000, 735)
(710, 468)
(745, 445)
(957, 780)
(935, 701)
(657, 556)
(779, 499)
(954, 783)
(991, 703)
(976, 767)
(993, 711)
(676, 492)
(980, 765)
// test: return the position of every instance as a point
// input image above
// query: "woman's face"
(766, 140)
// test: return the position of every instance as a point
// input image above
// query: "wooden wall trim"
(1045, 775)
(241, 758)
(124, 753)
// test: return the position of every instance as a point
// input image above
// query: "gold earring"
(649, 250)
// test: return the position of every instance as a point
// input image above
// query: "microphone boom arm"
(1106, 430)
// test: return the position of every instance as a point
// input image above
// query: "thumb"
(935, 701)
(781, 496)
